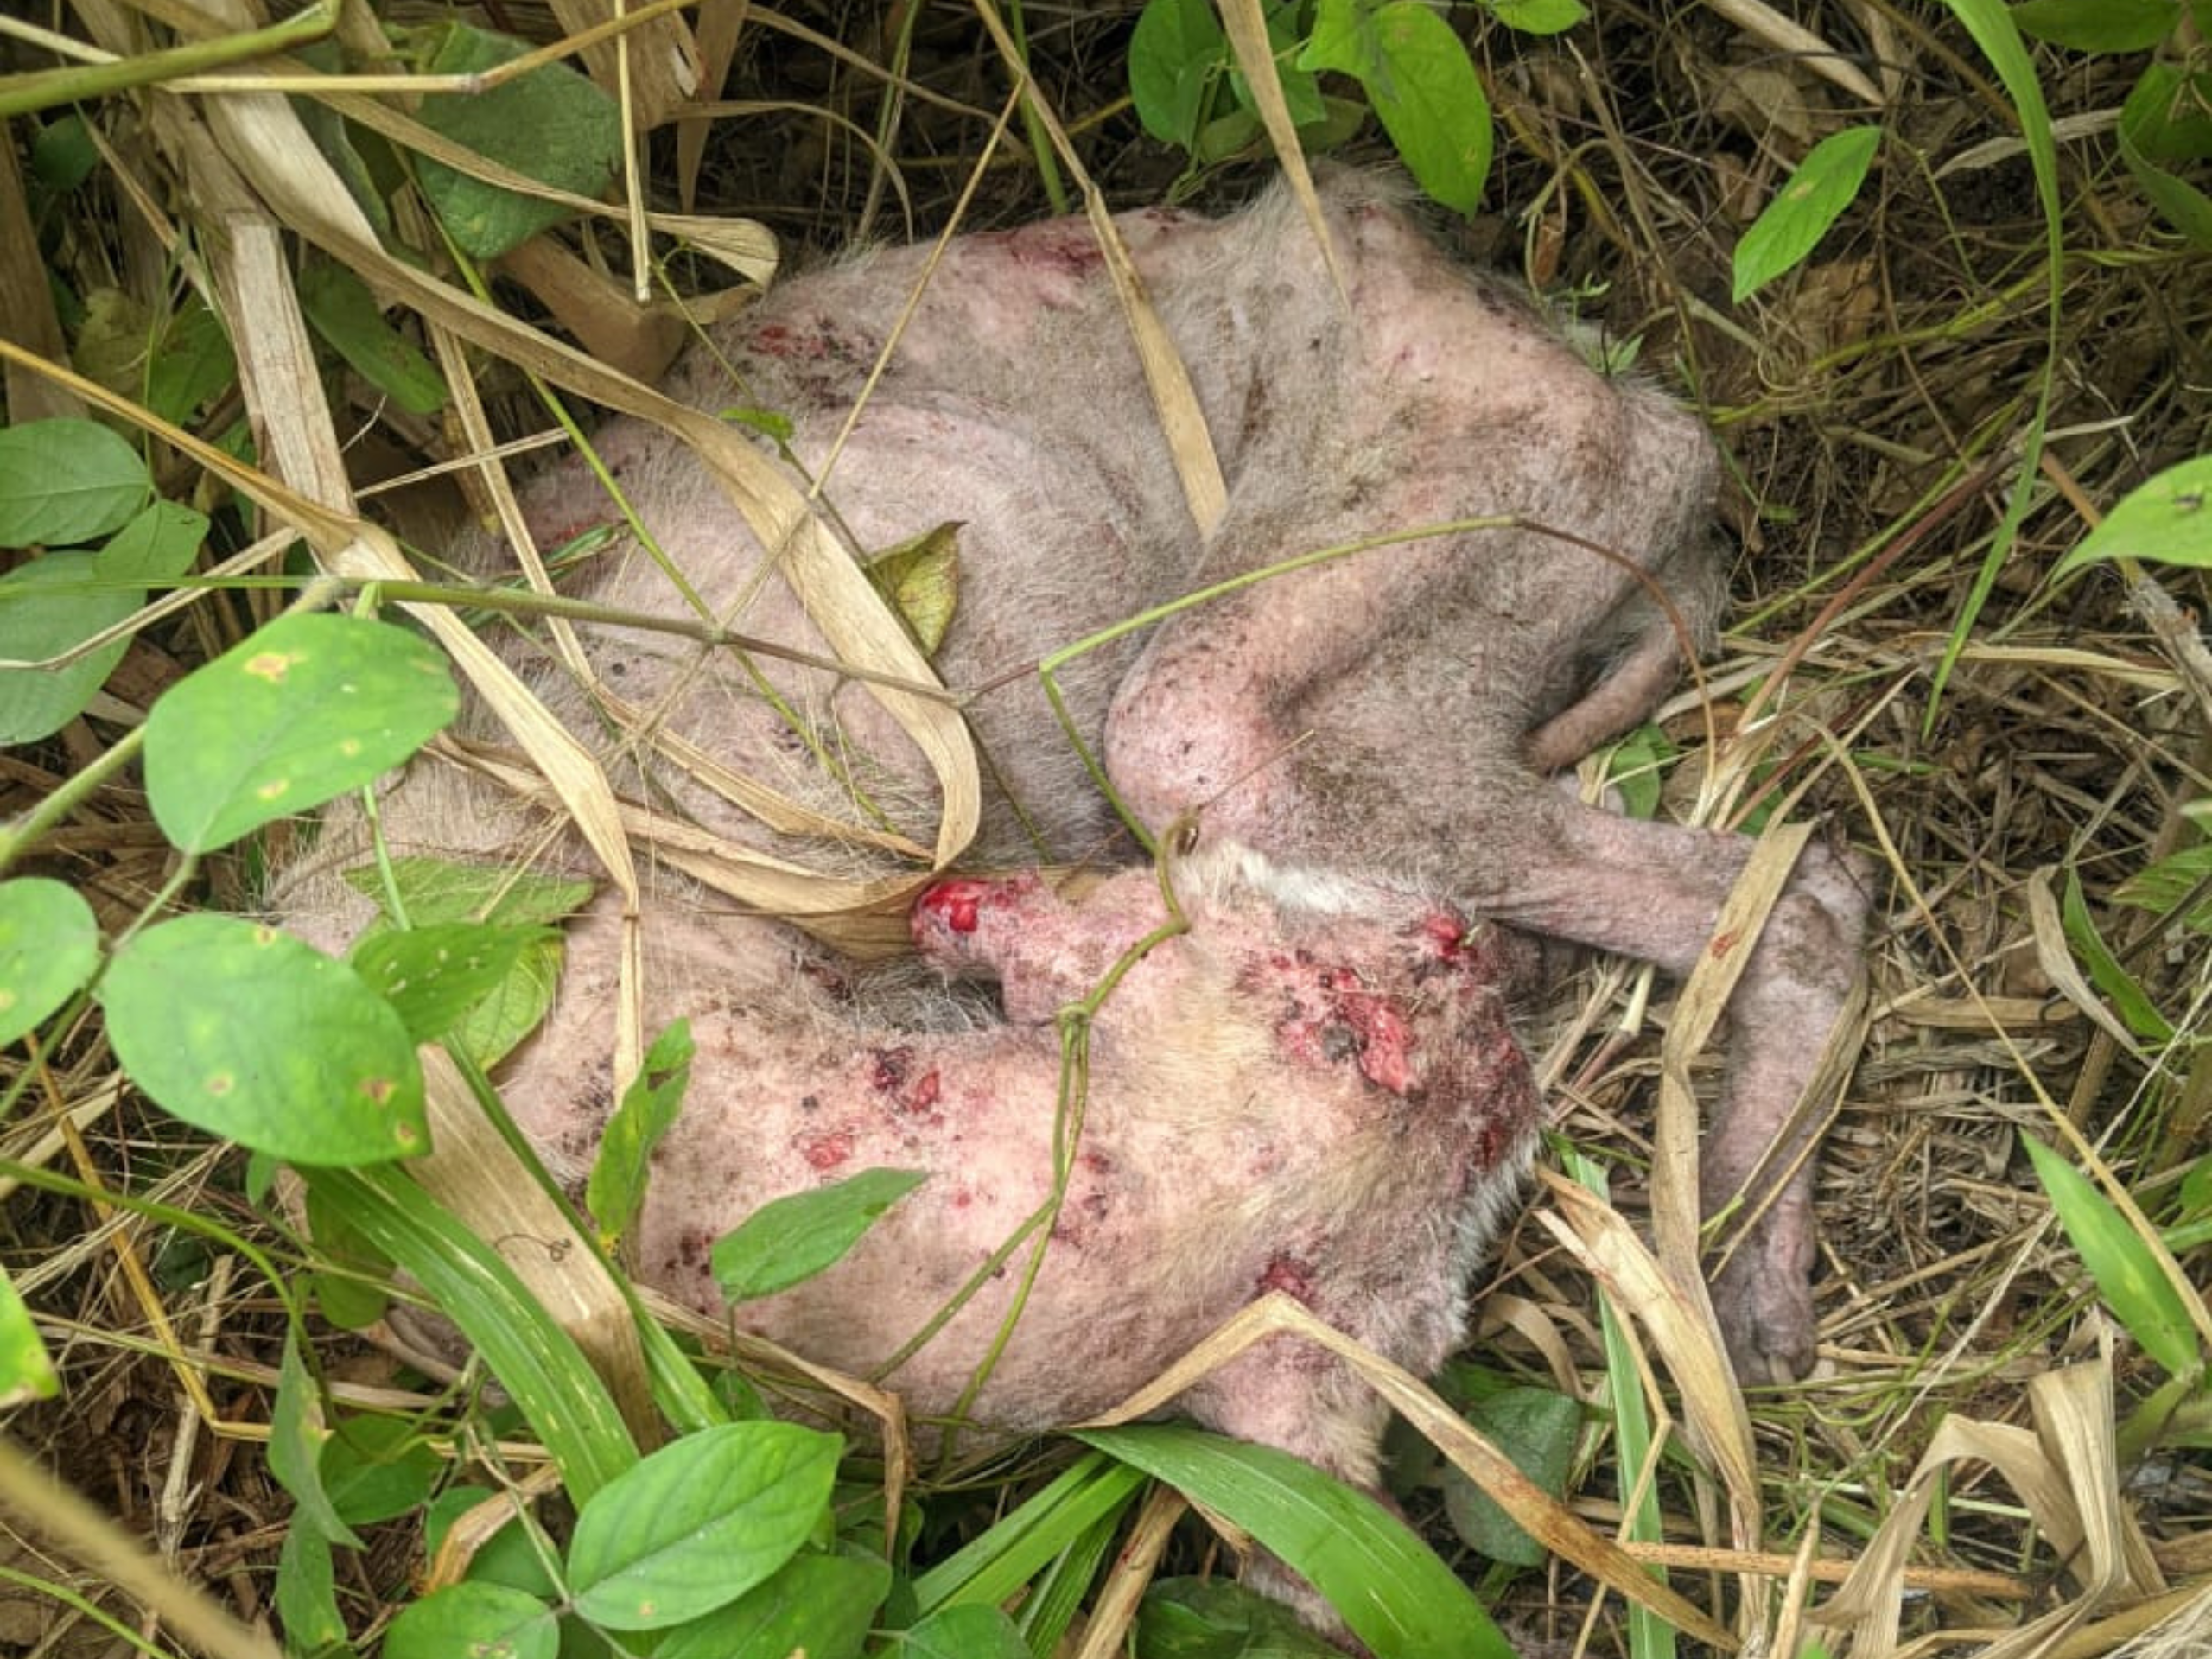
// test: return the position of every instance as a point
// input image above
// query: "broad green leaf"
(157, 546)
(2164, 129)
(435, 975)
(2165, 521)
(474, 1621)
(616, 1189)
(49, 944)
(253, 1035)
(63, 155)
(1383, 1582)
(1301, 87)
(307, 1591)
(968, 1631)
(344, 313)
(354, 1299)
(792, 1238)
(47, 607)
(699, 1523)
(305, 710)
(378, 1468)
(1423, 87)
(2105, 969)
(1176, 53)
(1539, 1430)
(65, 482)
(1538, 16)
(2125, 1269)
(819, 1606)
(920, 580)
(26, 1372)
(297, 1437)
(1826, 182)
(552, 124)
(1219, 1618)
(434, 890)
(2098, 25)
(191, 364)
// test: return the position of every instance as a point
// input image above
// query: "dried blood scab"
(824, 1151)
(887, 1068)
(924, 1095)
(1293, 1276)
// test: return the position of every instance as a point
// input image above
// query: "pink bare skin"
(1313, 1090)
(1389, 719)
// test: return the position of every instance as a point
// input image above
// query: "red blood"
(956, 904)
(825, 1151)
(924, 1095)
(1447, 934)
(1385, 1045)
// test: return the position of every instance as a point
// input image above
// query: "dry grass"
(1873, 404)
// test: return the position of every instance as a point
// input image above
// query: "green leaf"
(700, 1522)
(920, 580)
(49, 607)
(378, 1468)
(351, 1293)
(253, 1035)
(191, 364)
(307, 1591)
(1176, 55)
(65, 482)
(616, 1190)
(1219, 1618)
(1538, 16)
(344, 316)
(1383, 1582)
(49, 944)
(1539, 1430)
(154, 549)
(2163, 888)
(297, 1437)
(819, 1606)
(1826, 182)
(305, 710)
(26, 1372)
(2126, 1269)
(474, 1619)
(552, 124)
(1423, 85)
(2098, 25)
(968, 1631)
(435, 891)
(2104, 968)
(794, 1237)
(2164, 126)
(996, 1566)
(435, 977)
(538, 1363)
